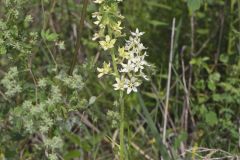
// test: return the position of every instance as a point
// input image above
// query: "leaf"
(151, 95)
(211, 118)
(202, 98)
(217, 97)
(159, 5)
(224, 58)
(72, 154)
(3, 50)
(210, 1)
(157, 23)
(180, 138)
(92, 100)
(73, 138)
(215, 77)
(194, 5)
(76, 140)
(203, 31)
(211, 85)
(49, 36)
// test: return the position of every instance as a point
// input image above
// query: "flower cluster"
(128, 62)
(108, 19)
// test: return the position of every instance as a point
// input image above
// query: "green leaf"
(217, 97)
(49, 36)
(159, 5)
(215, 77)
(224, 58)
(76, 140)
(202, 98)
(3, 50)
(202, 31)
(211, 118)
(157, 23)
(92, 100)
(72, 154)
(194, 5)
(180, 138)
(73, 138)
(211, 85)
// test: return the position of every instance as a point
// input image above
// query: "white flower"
(120, 83)
(137, 33)
(102, 26)
(123, 53)
(129, 43)
(61, 45)
(95, 36)
(140, 47)
(127, 67)
(42, 83)
(131, 55)
(144, 76)
(95, 14)
(108, 43)
(139, 63)
(105, 70)
(131, 85)
(98, 1)
(117, 26)
(99, 18)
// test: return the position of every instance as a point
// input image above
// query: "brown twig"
(201, 150)
(187, 98)
(190, 70)
(4, 96)
(33, 77)
(78, 44)
(168, 82)
(222, 19)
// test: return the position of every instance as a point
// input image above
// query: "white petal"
(134, 89)
(100, 75)
(129, 90)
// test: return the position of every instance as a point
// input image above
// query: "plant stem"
(122, 148)
(230, 33)
(83, 15)
(121, 101)
(239, 18)
(168, 83)
(114, 63)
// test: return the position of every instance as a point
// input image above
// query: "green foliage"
(11, 83)
(49, 36)
(16, 41)
(194, 5)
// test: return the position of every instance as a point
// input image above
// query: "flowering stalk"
(128, 61)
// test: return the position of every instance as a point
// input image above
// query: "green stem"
(121, 101)
(122, 148)
(239, 19)
(230, 34)
(114, 63)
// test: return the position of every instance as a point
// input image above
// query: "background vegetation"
(47, 113)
